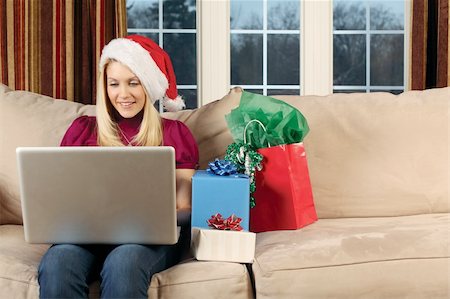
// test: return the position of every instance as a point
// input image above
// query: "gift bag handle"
(260, 123)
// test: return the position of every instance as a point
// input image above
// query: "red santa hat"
(150, 63)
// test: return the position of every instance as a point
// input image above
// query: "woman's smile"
(124, 90)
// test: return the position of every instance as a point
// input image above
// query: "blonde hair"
(150, 131)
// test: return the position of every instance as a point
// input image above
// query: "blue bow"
(222, 167)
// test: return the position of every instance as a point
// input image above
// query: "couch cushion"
(195, 279)
(378, 154)
(19, 262)
(209, 127)
(369, 154)
(392, 257)
(28, 119)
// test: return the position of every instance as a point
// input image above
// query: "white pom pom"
(174, 105)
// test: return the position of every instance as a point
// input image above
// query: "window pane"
(283, 14)
(246, 14)
(387, 15)
(349, 59)
(349, 15)
(393, 91)
(283, 92)
(283, 59)
(348, 90)
(190, 97)
(386, 59)
(142, 14)
(258, 91)
(181, 49)
(179, 14)
(246, 59)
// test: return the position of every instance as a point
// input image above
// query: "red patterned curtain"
(430, 44)
(52, 47)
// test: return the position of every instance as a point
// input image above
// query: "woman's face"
(124, 90)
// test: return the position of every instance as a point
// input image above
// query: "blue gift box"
(212, 194)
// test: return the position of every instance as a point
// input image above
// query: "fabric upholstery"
(28, 119)
(429, 61)
(378, 154)
(379, 171)
(191, 279)
(389, 150)
(357, 258)
(53, 47)
(209, 127)
(194, 279)
(409, 131)
(18, 263)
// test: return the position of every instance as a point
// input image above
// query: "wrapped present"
(282, 197)
(219, 194)
(223, 245)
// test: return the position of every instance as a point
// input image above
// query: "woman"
(134, 72)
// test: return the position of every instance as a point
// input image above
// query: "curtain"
(430, 44)
(52, 47)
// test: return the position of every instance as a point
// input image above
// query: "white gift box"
(223, 245)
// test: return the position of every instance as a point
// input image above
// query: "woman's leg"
(128, 268)
(65, 271)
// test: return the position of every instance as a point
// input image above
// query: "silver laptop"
(104, 195)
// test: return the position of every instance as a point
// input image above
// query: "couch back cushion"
(378, 154)
(369, 154)
(209, 127)
(28, 119)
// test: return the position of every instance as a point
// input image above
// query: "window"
(369, 46)
(265, 45)
(279, 46)
(172, 24)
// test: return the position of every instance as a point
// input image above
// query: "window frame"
(316, 24)
(368, 33)
(316, 48)
(264, 32)
(161, 31)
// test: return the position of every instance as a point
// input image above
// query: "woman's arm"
(184, 188)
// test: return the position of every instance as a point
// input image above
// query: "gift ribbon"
(231, 223)
(222, 167)
(248, 161)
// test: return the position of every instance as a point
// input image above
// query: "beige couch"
(379, 166)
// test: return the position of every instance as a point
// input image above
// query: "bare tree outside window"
(265, 45)
(368, 45)
(171, 24)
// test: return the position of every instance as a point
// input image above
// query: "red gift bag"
(283, 193)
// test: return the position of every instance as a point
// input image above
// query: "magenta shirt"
(83, 132)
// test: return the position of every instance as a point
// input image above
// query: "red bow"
(231, 223)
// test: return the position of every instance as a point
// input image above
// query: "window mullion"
(316, 62)
(264, 47)
(213, 50)
(406, 45)
(368, 81)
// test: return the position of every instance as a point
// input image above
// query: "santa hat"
(150, 64)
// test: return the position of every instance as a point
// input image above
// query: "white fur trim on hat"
(139, 61)
(173, 105)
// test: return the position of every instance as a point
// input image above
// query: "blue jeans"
(66, 270)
